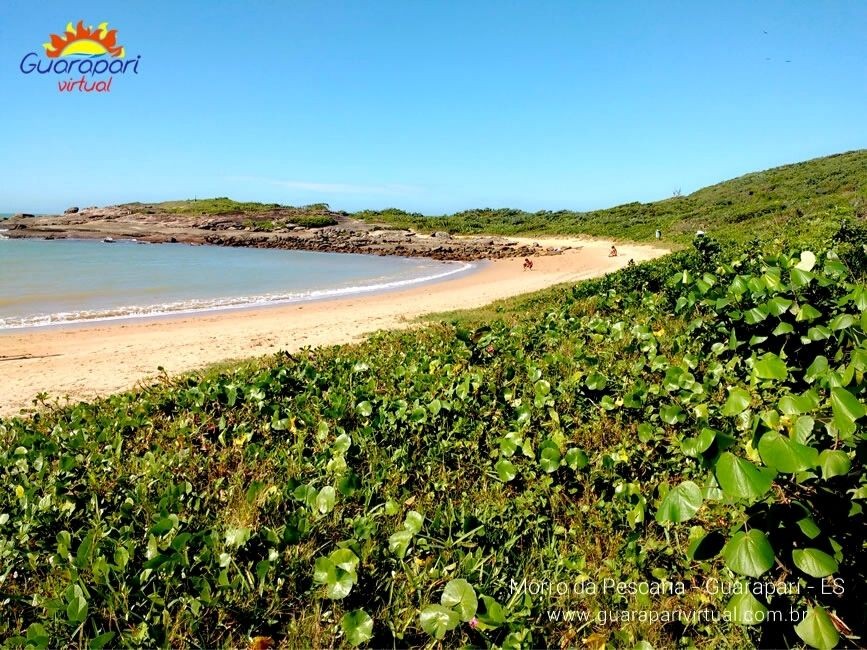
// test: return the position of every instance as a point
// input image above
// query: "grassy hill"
(670, 456)
(808, 197)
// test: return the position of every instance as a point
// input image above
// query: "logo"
(93, 53)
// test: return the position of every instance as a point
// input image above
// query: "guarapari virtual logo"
(92, 53)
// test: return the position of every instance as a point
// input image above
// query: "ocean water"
(68, 281)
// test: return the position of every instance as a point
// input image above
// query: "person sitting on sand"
(528, 264)
(612, 252)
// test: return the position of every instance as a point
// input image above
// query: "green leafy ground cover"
(669, 456)
(675, 451)
(215, 206)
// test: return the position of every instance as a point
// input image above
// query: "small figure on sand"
(612, 252)
(528, 264)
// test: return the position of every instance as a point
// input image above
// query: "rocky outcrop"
(464, 249)
(269, 229)
(71, 210)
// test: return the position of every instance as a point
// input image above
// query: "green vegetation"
(807, 197)
(669, 456)
(305, 221)
(263, 217)
(313, 220)
(217, 206)
(266, 225)
(684, 435)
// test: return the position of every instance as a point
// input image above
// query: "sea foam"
(194, 306)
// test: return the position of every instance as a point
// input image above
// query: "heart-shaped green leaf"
(549, 456)
(736, 403)
(770, 366)
(37, 636)
(596, 381)
(357, 626)
(741, 479)
(494, 614)
(699, 444)
(509, 443)
(336, 572)
(785, 455)
(749, 553)
(680, 504)
(834, 463)
(671, 414)
(325, 499)
(76, 609)
(437, 620)
(399, 542)
(846, 409)
(505, 470)
(576, 459)
(745, 609)
(344, 559)
(797, 404)
(807, 312)
(414, 521)
(460, 596)
(817, 629)
(814, 562)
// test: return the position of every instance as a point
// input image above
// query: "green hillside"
(808, 197)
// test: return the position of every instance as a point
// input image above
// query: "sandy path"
(83, 361)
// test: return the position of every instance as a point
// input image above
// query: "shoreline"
(239, 303)
(89, 360)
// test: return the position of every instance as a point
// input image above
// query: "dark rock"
(439, 234)
(71, 210)
(23, 215)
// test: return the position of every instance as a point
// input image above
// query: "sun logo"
(84, 41)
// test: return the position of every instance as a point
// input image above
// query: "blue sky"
(432, 106)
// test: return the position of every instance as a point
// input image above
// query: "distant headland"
(224, 222)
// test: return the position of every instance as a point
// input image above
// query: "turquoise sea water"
(68, 281)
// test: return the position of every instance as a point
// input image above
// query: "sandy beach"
(84, 361)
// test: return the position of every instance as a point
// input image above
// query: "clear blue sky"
(431, 106)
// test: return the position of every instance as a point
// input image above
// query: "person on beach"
(528, 264)
(612, 252)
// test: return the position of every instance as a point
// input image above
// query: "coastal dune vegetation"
(668, 456)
